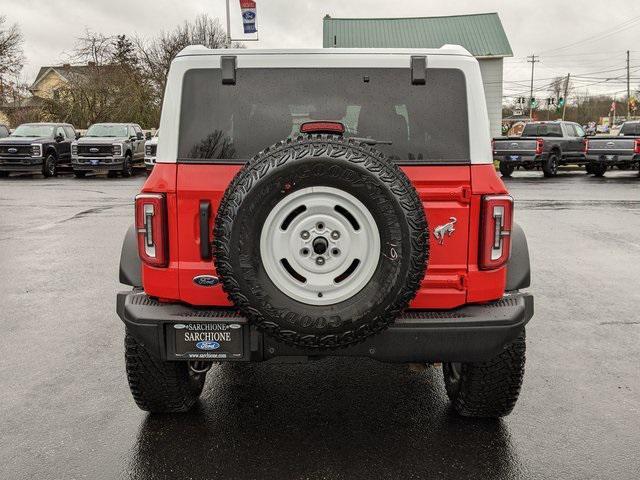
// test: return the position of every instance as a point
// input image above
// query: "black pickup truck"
(622, 151)
(37, 148)
(542, 144)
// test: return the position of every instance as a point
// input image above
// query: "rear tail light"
(322, 127)
(636, 149)
(586, 145)
(151, 227)
(539, 146)
(495, 241)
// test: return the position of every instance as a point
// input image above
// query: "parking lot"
(67, 411)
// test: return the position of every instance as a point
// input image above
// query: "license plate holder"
(206, 341)
(611, 157)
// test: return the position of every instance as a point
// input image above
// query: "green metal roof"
(482, 35)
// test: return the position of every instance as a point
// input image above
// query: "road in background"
(67, 412)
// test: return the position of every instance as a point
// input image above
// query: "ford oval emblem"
(12, 150)
(610, 144)
(94, 150)
(207, 345)
(206, 280)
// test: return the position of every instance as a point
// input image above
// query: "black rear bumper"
(467, 334)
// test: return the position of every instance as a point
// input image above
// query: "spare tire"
(321, 241)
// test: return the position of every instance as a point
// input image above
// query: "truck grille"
(95, 150)
(15, 150)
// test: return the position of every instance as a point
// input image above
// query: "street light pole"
(228, 24)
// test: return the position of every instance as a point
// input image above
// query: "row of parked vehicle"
(115, 148)
(548, 145)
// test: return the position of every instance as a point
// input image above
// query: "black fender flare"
(519, 265)
(130, 263)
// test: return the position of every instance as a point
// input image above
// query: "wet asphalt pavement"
(66, 412)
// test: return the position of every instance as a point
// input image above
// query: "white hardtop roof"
(198, 50)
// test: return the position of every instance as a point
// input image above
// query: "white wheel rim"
(320, 245)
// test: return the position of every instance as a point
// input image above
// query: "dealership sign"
(248, 8)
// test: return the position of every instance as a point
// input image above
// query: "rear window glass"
(542, 130)
(232, 123)
(631, 129)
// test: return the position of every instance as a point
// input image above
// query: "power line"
(614, 31)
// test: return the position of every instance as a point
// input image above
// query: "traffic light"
(561, 102)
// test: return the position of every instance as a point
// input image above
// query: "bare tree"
(156, 55)
(108, 86)
(556, 88)
(11, 57)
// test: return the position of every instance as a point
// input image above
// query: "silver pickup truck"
(622, 151)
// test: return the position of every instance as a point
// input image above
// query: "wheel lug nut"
(335, 235)
(304, 235)
(320, 261)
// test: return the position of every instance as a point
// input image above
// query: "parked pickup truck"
(622, 150)
(37, 148)
(150, 150)
(542, 144)
(316, 203)
(111, 147)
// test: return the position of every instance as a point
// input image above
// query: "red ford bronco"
(315, 203)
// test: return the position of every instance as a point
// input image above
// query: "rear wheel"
(599, 169)
(506, 169)
(158, 386)
(550, 168)
(490, 388)
(4, 174)
(49, 167)
(589, 168)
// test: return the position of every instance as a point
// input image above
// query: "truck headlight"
(74, 149)
(36, 150)
(117, 149)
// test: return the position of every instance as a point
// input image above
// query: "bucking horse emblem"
(446, 229)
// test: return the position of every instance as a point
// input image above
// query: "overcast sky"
(50, 29)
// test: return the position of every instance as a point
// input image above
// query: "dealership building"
(482, 35)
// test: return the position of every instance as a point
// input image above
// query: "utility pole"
(628, 85)
(532, 60)
(566, 92)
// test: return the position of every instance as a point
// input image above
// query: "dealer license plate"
(611, 157)
(515, 157)
(208, 340)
